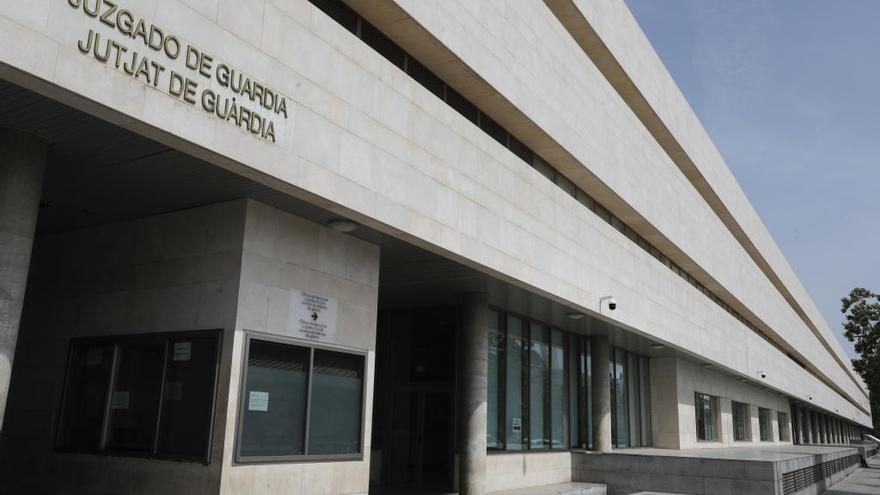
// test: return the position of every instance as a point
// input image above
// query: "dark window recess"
(521, 150)
(148, 395)
(461, 105)
(382, 44)
(339, 12)
(493, 129)
(368, 33)
(426, 78)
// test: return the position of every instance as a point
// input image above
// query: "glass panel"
(645, 401)
(705, 409)
(618, 388)
(336, 403)
(764, 423)
(495, 344)
(274, 400)
(741, 422)
(134, 402)
(188, 395)
(557, 390)
(539, 381)
(516, 349)
(632, 392)
(87, 385)
(587, 363)
(575, 392)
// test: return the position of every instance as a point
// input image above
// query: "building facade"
(326, 246)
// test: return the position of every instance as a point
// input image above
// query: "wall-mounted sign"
(146, 52)
(312, 316)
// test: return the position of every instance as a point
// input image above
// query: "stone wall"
(172, 272)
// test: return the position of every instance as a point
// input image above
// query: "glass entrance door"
(421, 438)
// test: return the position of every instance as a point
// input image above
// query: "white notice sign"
(182, 351)
(258, 401)
(312, 316)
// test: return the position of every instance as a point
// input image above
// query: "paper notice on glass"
(119, 399)
(182, 351)
(258, 401)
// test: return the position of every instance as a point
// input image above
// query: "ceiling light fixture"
(574, 315)
(342, 225)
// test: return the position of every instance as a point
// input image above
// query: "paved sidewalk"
(863, 481)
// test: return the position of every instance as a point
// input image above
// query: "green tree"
(861, 309)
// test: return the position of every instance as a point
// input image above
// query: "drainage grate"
(795, 481)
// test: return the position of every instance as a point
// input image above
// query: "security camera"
(762, 375)
(612, 303)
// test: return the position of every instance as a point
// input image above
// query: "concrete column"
(475, 321)
(800, 425)
(22, 163)
(600, 384)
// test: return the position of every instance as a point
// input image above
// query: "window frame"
(784, 432)
(248, 336)
(116, 341)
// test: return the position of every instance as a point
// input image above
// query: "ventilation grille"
(795, 481)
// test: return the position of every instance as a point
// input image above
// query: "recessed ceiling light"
(744, 380)
(574, 315)
(706, 365)
(342, 225)
(657, 346)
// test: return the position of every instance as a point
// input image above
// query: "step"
(558, 489)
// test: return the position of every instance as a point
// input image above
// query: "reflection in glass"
(706, 414)
(539, 381)
(275, 400)
(741, 422)
(493, 399)
(336, 400)
(134, 400)
(515, 406)
(557, 390)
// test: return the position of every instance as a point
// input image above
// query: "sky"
(789, 92)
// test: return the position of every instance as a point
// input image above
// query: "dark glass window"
(148, 395)
(741, 422)
(134, 399)
(274, 412)
(461, 105)
(494, 420)
(88, 383)
(706, 409)
(188, 396)
(630, 399)
(300, 401)
(336, 403)
(764, 423)
(537, 387)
